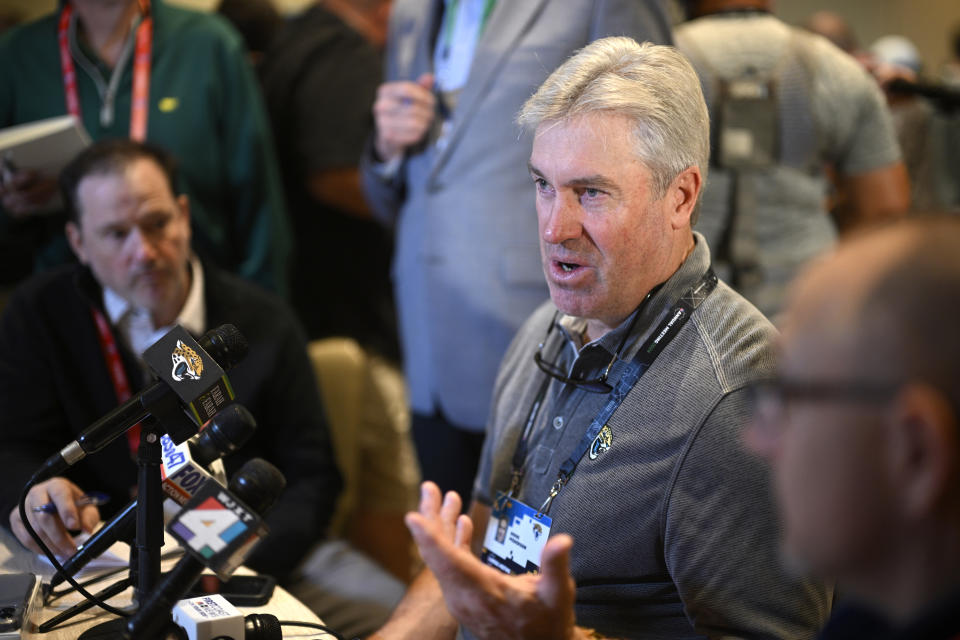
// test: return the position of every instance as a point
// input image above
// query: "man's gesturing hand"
(489, 603)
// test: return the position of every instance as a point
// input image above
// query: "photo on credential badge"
(515, 537)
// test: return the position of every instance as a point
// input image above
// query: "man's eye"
(592, 196)
(154, 225)
(543, 188)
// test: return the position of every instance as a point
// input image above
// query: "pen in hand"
(94, 497)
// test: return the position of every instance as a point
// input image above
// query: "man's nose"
(561, 220)
(141, 246)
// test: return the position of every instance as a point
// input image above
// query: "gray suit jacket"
(467, 267)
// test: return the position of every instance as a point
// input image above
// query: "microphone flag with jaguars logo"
(191, 372)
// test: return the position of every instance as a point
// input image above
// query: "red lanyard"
(141, 70)
(117, 373)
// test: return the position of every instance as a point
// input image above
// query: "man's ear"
(682, 196)
(75, 238)
(183, 203)
(925, 450)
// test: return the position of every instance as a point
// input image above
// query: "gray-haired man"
(617, 413)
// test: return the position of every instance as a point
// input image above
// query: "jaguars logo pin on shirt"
(602, 442)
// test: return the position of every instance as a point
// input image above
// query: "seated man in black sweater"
(70, 346)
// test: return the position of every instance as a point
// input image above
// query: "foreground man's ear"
(682, 196)
(926, 453)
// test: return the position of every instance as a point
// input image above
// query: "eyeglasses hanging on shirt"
(596, 385)
(656, 342)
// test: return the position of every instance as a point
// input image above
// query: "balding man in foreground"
(862, 429)
(617, 413)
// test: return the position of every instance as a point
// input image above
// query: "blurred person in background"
(790, 115)
(84, 59)
(320, 80)
(861, 427)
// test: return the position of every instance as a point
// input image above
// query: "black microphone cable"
(52, 595)
(224, 434)
(22, 507)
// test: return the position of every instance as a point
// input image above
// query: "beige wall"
(927, 22)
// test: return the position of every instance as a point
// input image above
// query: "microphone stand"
(144, 571)
(144, 566)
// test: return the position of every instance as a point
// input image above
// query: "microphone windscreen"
(225, 433)
(258, 484)
(225, 344)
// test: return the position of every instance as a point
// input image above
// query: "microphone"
(225, 433)
(195, 382)
(183, 467)
(218, 527)
(213, 617)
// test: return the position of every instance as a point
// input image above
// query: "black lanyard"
(655, 344)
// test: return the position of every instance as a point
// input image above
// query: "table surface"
(15, 558)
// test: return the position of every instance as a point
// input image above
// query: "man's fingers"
(406, 93)
(64, 496)
(556, 587)
(426, 80)
(89, 517)
(397, 107)
(26, 192)
(23, 178)
(16, 526)
(50, 528)
(464, 534)
(403, 112)
(428, 541)
(437, 549)
(406, 133)
(393, 120)
(452, 505)
(52, 525)
(430, 499)
(39, 192)
(416, 523)
(17, 205)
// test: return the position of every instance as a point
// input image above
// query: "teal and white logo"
(602, 442)
(186, 363)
